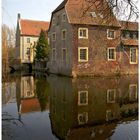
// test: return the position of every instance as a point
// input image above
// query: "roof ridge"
(35, 20)
(61, 6)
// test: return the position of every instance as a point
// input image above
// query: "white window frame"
(110, 48)
(54, 39)
(64, 30)
(82, 60)
(86, 37)
(79, 102)
(108, 37)
(108, 92)
(84, 114)
(136, 56)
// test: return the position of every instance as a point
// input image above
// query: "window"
(63, 17)
(83, 32)
(53, 21)
(64, 54)
(93, 14)
(83, 98)
(111, 94)
(111, 54)
(133, 55)
(53, 36)
(63, 34)
(53, 54)
(133, 92)
(110, 34)
(28, 40)
(109, 115)
(135, 35)
(82, 118)
(82, 54)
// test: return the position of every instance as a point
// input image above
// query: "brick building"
(91, 43)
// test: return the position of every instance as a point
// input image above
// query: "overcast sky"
(29, 9)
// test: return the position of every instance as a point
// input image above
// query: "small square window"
(82, 54)
(28, 40)
(111, 54)
(82, 118)
(83, 33)
(110, 34)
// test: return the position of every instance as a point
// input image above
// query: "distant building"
(27, 35)
(91, 43)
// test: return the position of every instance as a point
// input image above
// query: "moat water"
(38, 107)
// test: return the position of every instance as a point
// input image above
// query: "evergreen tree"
(42, 47)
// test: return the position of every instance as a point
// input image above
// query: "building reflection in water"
(84, 108)
(29, 95)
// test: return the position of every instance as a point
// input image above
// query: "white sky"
(29, 9)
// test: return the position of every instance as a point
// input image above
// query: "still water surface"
(53, 108)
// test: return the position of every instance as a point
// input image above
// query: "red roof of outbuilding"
(32, 27)
(127, 25)
(130, 42)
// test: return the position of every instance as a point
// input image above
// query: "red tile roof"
(30, 105)
(32, 28)
(130, 42)
(78, 14)
(127, 25)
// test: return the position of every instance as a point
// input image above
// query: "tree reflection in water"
(42, 92)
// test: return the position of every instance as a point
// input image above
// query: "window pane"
(83, 54)
(63, 34)
(83, 33)
(111, 54)
(133, 55)
(83, 97)
(111, 34)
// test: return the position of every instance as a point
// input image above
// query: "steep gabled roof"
(61, 6)
(32, 27)
(91, 13)
(127, 25)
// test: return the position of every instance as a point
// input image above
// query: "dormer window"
(83, 33)
(110, 34)
(93, 14)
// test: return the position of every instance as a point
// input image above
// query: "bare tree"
(4, 51)
(122, 9)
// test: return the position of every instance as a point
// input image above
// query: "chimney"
(18, 16)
